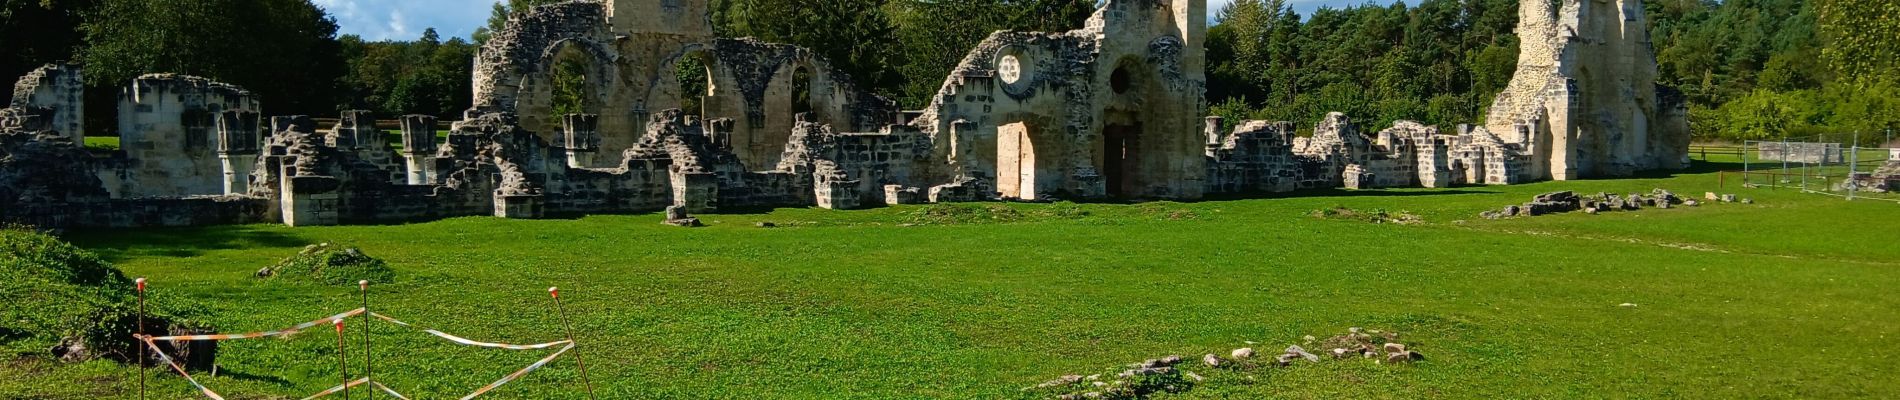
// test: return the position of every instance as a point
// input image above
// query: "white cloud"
(405, 19)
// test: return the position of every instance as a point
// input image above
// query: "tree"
(37, 32)
(856, 36)
(284, 51)
(1861, 38)
(498, 17)
(425, 76)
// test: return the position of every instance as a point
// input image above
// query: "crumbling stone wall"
(1112, 109)
(1584, 102)
(170, 137)
(632, 49)
(59, 88)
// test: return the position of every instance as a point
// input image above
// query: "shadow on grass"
(121, 244)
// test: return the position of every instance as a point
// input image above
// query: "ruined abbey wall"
(1114, 110)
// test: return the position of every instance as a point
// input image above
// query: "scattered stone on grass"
(1567, 201)
(1213, 360)
(1242, 353)
(1167, 375)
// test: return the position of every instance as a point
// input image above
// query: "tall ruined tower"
(1584, 101)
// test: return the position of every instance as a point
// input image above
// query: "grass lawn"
(1791, 297)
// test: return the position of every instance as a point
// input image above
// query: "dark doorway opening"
(1119, 158)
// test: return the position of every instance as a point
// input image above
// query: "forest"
(1752, 69)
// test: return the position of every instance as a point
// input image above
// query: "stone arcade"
(1111, 111)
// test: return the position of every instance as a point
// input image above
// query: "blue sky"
(405, 19)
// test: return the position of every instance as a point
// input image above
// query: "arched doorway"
(570, 79)
(1121, 141)
(1121, 152)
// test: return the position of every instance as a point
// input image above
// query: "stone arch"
(535, 102)
(691, 83)
(1132, 149)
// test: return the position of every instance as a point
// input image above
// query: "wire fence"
(151, 343)
(1833, 165)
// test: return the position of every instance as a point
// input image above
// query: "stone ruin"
(1584, 102)
(1110, 111)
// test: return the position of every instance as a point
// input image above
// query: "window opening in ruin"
(1120, 81)
(570, 86)
(801, 91)
(1009, 69)
(1015, 162)
(694, 75)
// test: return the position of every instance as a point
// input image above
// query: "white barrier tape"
(253, 335)
(338, 388)
(467, 342)
(386, 389)
(181, 370)
(517, 375)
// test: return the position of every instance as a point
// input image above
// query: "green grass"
(103, 143)
(1790, 297)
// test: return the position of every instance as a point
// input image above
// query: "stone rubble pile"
(1170, 375)
(1569, 201)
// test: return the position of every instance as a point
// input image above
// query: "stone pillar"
(310, 200)
(720, 130)
(1212, 129)
(418, 144)
(1434, 163)
(238, 146)
(519, 206)
(355, 130)
(582, 133)
(698, 192)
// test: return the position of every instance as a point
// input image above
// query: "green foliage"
(332, 264)
(424, 76)
(1861, 37)
(934, 36)
(36, 32)
(1434, 63)
(694, 83)
(854, 35)
(571, 88)
(498, 17)
(1751, 69)
(55, 292)
(284, 51)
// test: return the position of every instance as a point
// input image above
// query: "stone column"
(356, 129)
(418, 144)
(310, 200)
(1434, 163)
(238, 146)
(1212, 129)
(582, 134)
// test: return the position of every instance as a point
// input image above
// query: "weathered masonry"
(1114, 110)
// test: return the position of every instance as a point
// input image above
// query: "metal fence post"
(1853, 169)
(1745, 165)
